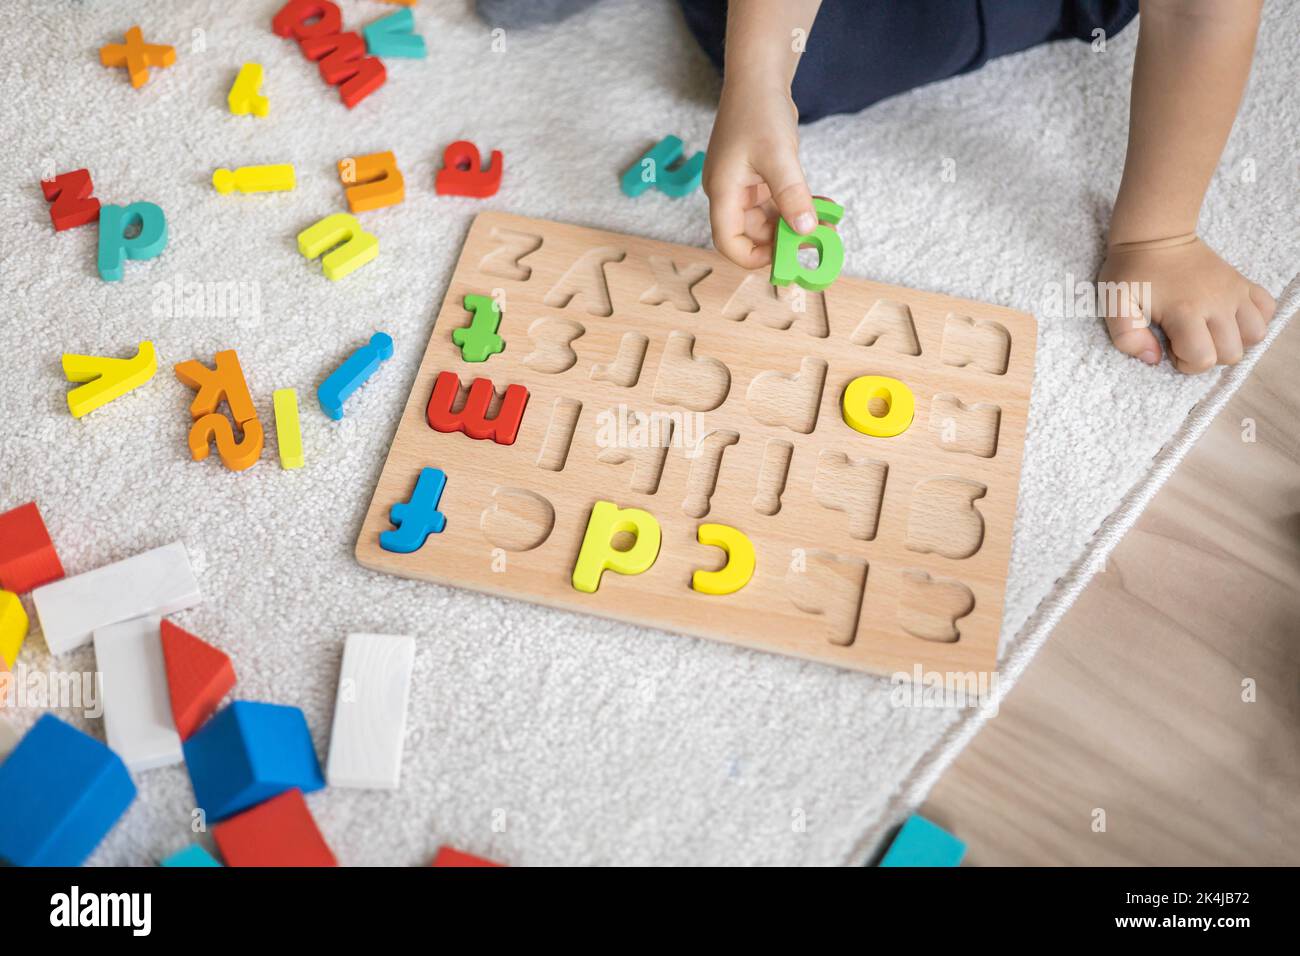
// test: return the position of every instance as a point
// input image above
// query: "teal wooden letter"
(114, 246)
(653, 169)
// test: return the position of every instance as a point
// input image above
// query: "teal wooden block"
(394, 35)
(193, 855)
(655, 168)
(922, 843)
(115, 247)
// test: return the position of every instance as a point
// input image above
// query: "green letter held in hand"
(479, 340)
(786, 267)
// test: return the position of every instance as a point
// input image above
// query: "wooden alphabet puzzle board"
(663, 377)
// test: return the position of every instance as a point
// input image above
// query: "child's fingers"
(784, 178)
(1227, 339)
(1251, 324)
(760, 224)
(1189, 341)
(727, 218)
(1128, 330)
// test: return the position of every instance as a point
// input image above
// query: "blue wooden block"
(250, 752)
(394, 35)
(61, 791)
(922, 843)
(653, 169)
(418, 518)
(349, 376)
(192, 855)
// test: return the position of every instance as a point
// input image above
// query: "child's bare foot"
(1208, 310)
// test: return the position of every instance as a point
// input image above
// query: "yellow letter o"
(897, 398)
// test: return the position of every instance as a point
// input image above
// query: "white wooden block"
(9, 738)
(154, 582)
(133, 687)
(370, 712)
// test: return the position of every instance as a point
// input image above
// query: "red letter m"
(472, 419)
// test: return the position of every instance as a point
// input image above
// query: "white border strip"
(1052, 608)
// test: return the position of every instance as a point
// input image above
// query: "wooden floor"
(1135, 705)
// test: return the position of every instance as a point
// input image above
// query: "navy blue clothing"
(862, 51)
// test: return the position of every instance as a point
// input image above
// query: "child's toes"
(1190, 342)
(1263, 301)
(1251, 324)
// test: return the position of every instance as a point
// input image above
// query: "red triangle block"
(450, 856)
(198, 676)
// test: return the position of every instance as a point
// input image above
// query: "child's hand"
(1208, 310)
(752, 173)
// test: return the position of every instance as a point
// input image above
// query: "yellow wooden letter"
(244, 98)
(896, 398)
(288, 435)
(356, 247)
(106, 378)
(277, 178)
(733, 575)
(598, 552)
(13, 627)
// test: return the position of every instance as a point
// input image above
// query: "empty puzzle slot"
(854, 486)
(888, 325)
(969, 429)
(778, 307)
(943, 518)
(625, 370)
(929, 607)
(792, 401)
(643, 440)
(697, 383)
(983, 344)
(517, 519)
(559, 434)
(586, 281)
(674, 285)
(829, 587)
(511, 247)
(772, 475)
(706, 461)
(553, 339)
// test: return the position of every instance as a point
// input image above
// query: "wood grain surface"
(1136, 705)
(872, 553)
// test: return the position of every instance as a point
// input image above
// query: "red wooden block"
(343, 63)
(70, 199)
(279, 832)
(450, 856)
(198, 677)
(461, 174)
(27, 555)
(301, 19)
(473, 418)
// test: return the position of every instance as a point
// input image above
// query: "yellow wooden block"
(735, 574)
(254, 179)
(355, 246)
(288, 435)
(598, 552)
(244, 98)
(106, 378)
(894, 402)
(13, 627)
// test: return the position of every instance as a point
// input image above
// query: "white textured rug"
(538, 737)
